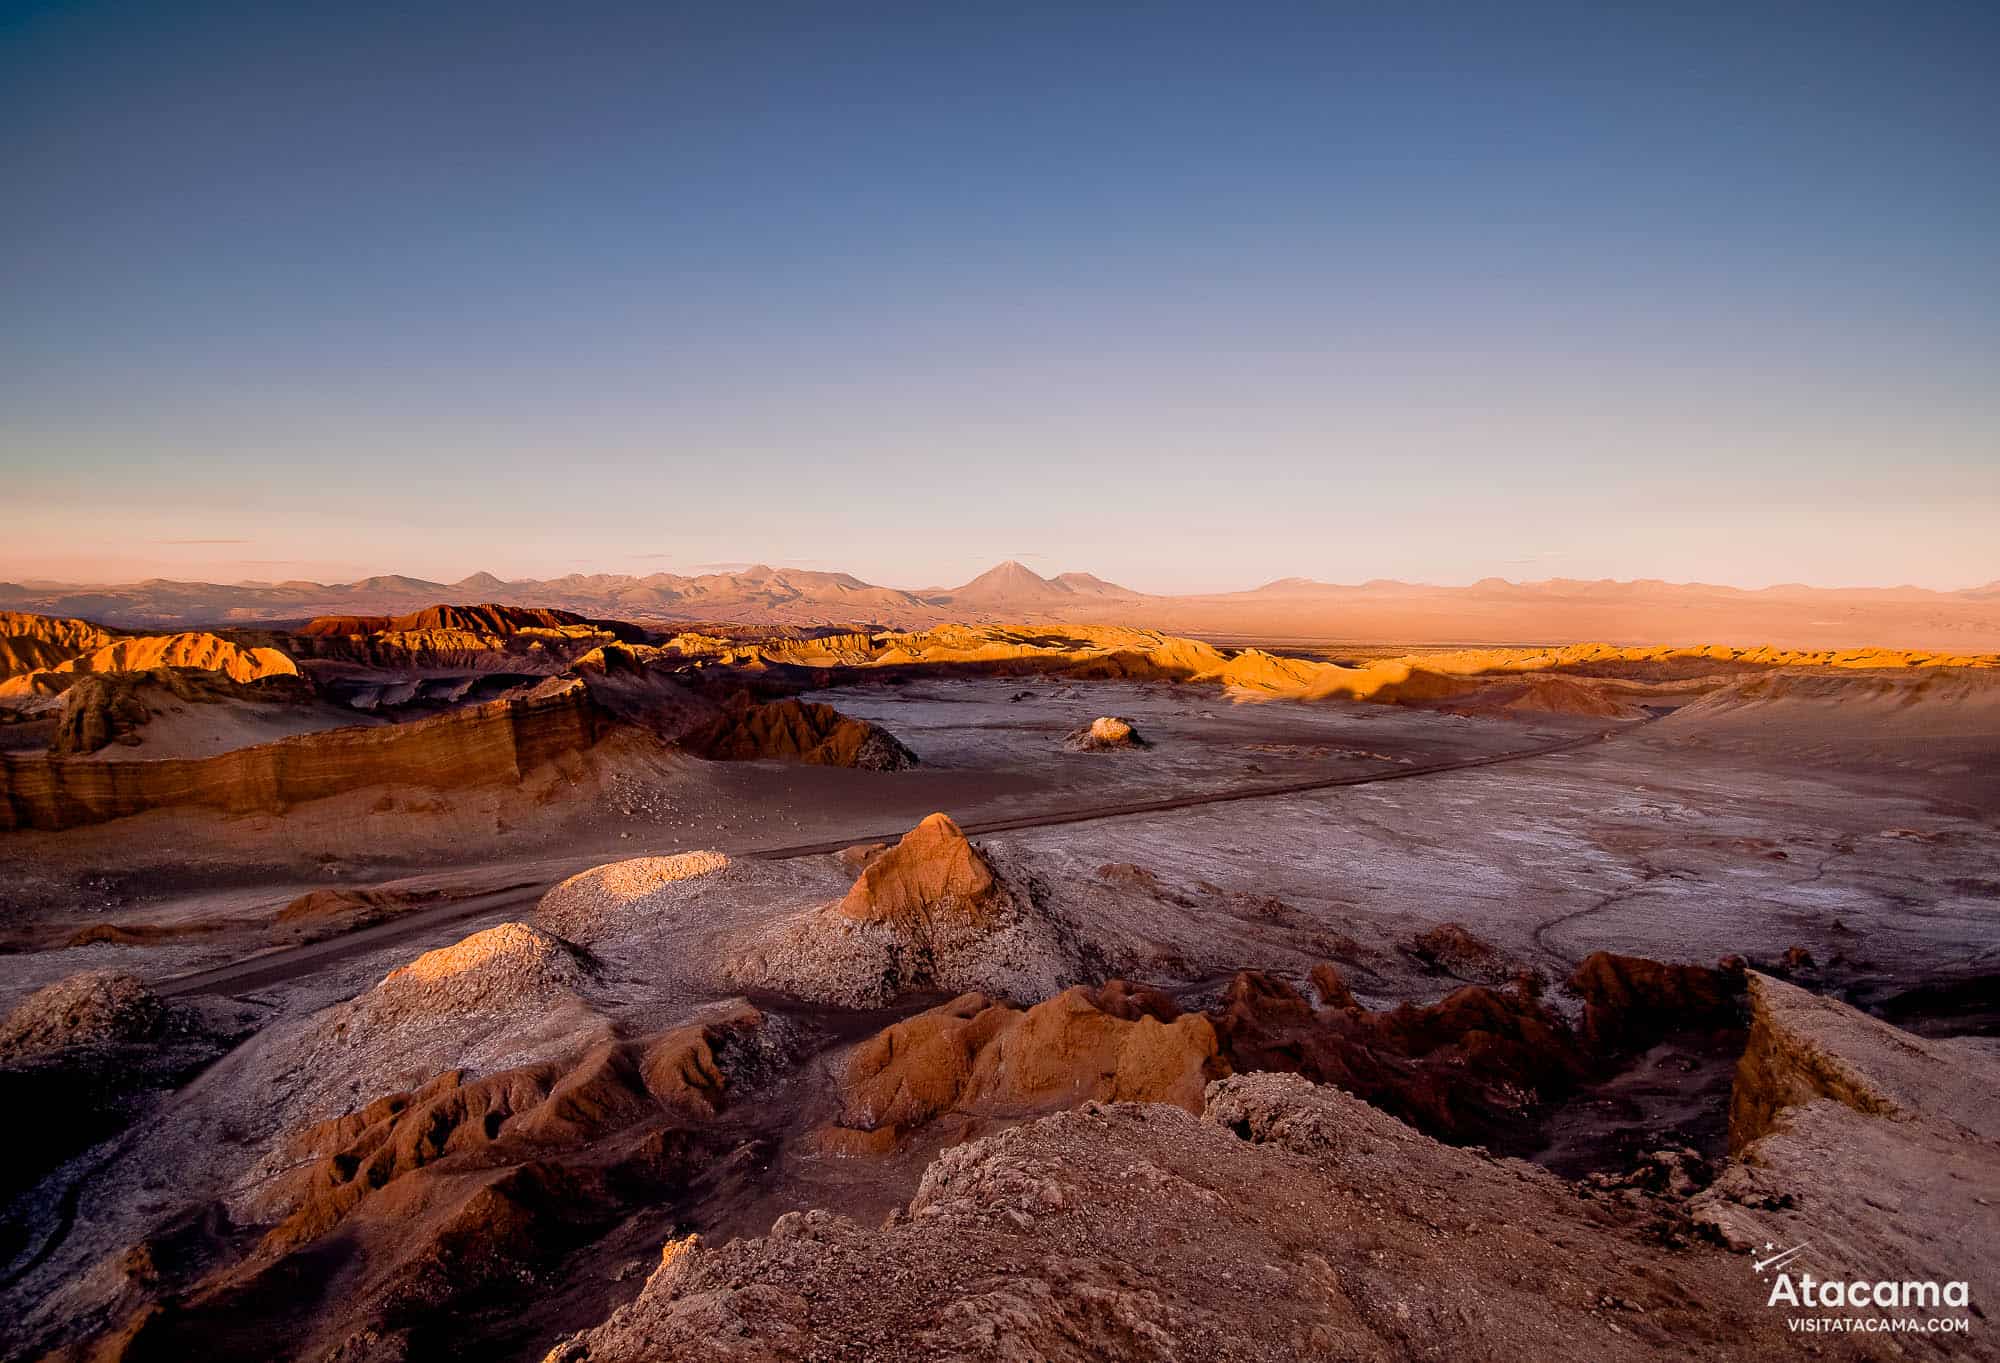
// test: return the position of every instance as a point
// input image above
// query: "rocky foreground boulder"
(1106, 733)
(1286, 1221)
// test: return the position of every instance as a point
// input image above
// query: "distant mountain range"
(1290, 610)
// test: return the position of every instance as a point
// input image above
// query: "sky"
(1189, 296)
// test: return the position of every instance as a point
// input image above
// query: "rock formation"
(928, 914)
(797, 731)
(1878, 1149)
(1450, 949)
(1106, 733)
(199, 652)
(113, 707)
(1630, 1000)
(461, 639)
(486, 619)
(973, 1057)
(495, 743)
(507, 966)
(33, 643)
(928, 881)
(1479, 1065)
(443, 1199)
(85, 1009)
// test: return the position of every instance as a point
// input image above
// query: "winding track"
(276, 967)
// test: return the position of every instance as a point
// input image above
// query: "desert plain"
(992, 973)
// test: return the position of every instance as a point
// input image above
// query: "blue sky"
(1190, 296)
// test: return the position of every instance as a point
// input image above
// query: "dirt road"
(276, 967)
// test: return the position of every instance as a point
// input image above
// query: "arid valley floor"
(506, 983)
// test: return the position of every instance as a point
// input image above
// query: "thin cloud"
(204, 542)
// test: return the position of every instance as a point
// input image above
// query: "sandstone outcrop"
(33, 643)
(351, 907)
(495, 743)
(458, 639)
(198, 651)
(797, 731)
(928, 881)
(484, 619)
(114, 707)
(1451, 949)
(973, 1058)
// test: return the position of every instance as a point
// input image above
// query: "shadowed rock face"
(1467, 1068)
(86, 1009)
(486, 619)
(1629, 999)
(798, 731)
(79, 1060)
(444, 1199)
(1480, 1065)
